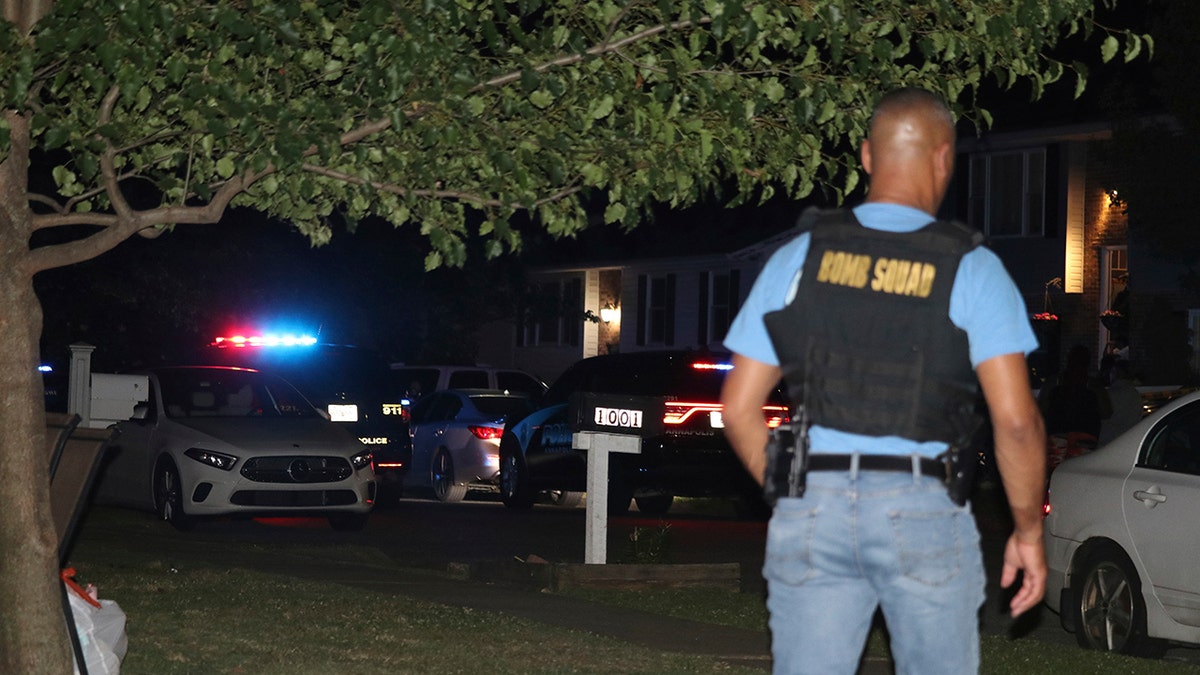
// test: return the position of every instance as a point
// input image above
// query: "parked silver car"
(220, 441)
(1121, 538)
(456, 440)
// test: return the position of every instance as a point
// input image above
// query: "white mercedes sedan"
(216, 441)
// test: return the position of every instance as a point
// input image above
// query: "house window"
(1008, 193)
(554, 313)
(656, 320)
(718, 304)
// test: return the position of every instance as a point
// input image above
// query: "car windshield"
(219, 392)
(678, 377)
(323, 372)
(503, 406)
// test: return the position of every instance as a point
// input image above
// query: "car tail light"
(776, 415)
(678, 413)
(486, 433)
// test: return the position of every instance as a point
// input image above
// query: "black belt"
(826, 462)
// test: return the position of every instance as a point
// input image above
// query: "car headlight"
(361, 460)
(215, 459)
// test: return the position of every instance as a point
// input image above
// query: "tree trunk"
(33, 637)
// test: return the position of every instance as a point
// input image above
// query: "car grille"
(297, 469)
(293, 498)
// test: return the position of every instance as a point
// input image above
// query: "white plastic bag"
(101, 628)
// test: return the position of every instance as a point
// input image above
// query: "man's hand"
(1028, 557)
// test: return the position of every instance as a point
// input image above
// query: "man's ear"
(864, 154)
(944, 159)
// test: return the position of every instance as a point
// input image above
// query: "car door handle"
(1151, 497)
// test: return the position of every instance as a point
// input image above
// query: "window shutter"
(573, 301)
(670, 332)
(1056, 194)
(643, 285)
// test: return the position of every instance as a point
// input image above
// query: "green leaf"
(56, 137)
(601, 108)
(1133, 47)
(541, 98)
(225, 167)
(1109, 48)
(614, 213)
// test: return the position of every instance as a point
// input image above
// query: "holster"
(961, 463)
(962, 458)
(787, 462)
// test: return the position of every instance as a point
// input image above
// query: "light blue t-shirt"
(984, 302)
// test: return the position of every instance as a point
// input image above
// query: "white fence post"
(79, 382)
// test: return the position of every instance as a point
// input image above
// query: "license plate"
(618, 417)
(339, 412)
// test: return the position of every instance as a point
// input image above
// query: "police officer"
(884, 324)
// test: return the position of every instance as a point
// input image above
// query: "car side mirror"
(140, 411)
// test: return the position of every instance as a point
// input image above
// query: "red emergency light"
(265, 341)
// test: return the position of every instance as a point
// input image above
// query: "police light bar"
(712, 366)
(265, 341)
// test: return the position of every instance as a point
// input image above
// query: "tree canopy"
(456, 116)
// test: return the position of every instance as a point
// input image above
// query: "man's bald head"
(910, 118)
(910, 149)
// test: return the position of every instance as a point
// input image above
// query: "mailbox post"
(603, 424)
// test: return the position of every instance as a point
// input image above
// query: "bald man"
(886, 325)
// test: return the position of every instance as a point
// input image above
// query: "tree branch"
(108, 168)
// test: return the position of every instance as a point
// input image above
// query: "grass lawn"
(193, 616)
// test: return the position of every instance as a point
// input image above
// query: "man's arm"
(746, 389)
(1020, 438)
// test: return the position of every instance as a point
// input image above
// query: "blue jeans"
(876, 539)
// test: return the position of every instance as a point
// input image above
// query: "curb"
(535, 575)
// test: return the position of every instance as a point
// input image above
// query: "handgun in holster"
(962, 458)
(787, 461)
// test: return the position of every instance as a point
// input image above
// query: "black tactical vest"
(867, 345)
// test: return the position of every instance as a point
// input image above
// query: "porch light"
(610, 313)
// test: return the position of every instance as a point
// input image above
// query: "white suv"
(417, 380)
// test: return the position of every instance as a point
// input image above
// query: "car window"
(498, 407)
(1175, 444)
(416, 382)
(570, 381)
(421, 409)
(323, 372)
(468, 379)
(445, 408)
(677, 376)
(511, 380)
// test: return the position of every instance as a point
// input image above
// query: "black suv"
(691, 458)
(352, 385)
